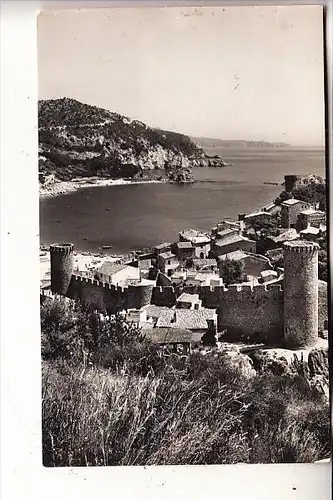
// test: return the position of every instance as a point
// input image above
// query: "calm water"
(129, 217)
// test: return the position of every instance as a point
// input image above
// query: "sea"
(129, 217)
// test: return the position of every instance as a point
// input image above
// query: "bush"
(112, 398)
(232, 271)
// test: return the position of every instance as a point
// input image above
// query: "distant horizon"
(236, 71)
(236, 139)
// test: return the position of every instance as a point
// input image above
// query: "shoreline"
(65, 187)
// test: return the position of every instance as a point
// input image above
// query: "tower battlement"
(64, 248)
(76, 276)
(301, 246)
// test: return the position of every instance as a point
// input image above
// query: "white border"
(22, 475)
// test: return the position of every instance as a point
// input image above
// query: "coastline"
(64, 187)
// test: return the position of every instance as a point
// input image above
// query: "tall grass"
(123, 402)
(93, 416)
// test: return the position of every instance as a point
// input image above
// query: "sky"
(252, 73)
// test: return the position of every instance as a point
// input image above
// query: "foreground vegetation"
(111, 398)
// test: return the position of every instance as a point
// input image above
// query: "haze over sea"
(137, 216)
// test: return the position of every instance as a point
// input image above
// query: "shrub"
(232, 271)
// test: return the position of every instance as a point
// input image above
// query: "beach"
(84, 261)
(64, 187)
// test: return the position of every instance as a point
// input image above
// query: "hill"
(78, 140)
(207, 142)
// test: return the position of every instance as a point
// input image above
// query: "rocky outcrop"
(311, 363)
(77, 140)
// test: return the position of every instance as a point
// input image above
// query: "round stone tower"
(300, 293)
(62, 265)
(139, 296)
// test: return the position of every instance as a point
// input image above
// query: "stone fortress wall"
(272, 313)
(105, 296)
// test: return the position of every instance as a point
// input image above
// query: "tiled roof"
(186, 318)
(268, 272)
(234, 238)
(154, 311)
(292, 201)
(195, 236)
(258, 214)
(236, 255)
(184, 244)
(289, 235)
(110, 268)
(163, 245)
(169, 335)
(188, 297)
(204, 262)
(167, 255)
(225, 232)
(310, 211)
(145, 264)
(311, 230)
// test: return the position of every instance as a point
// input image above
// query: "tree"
(232, 271)
(282, 197)
(71, 330)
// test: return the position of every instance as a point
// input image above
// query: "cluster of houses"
(196, 260)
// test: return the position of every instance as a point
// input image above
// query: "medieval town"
(181, 295)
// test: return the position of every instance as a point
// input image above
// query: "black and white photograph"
(183, 236)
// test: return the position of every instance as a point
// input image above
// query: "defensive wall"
(105, 296)
(256, 312)
(244, 311)
(292, 313)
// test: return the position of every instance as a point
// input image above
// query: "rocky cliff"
(78, 140)
(312, 364)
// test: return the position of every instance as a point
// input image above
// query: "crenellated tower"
(300, 293)
(62, 265)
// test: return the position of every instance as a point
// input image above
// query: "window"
(201, 255)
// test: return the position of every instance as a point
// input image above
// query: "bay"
(141, 215)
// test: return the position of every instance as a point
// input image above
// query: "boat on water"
(106, 247)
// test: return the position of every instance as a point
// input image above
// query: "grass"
(124, 403)
(93, 416)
